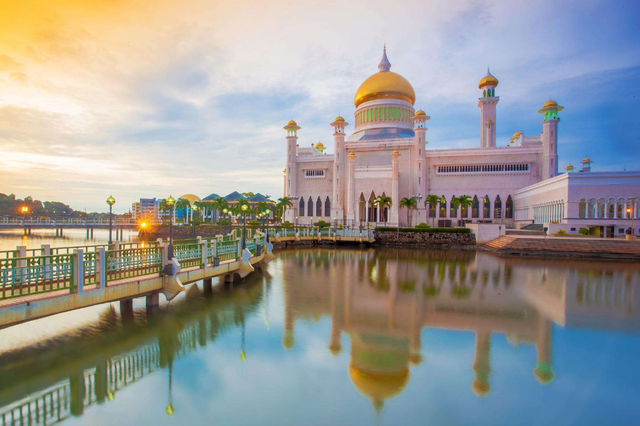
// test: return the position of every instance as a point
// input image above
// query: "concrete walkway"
(565, 246)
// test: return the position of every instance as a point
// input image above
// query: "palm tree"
(432, 201)
(284, 203)
(464, 201)
(201, 206)
(182, 203)
(219, 204)
(382, 202)
(411, 204)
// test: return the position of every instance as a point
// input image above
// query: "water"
(348, 336)
(10, 238)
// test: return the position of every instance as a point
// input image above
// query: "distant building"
(146, 208)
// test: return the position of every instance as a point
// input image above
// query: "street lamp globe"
(170, 201)
(244, 207)
(111, 201)
(225, 211)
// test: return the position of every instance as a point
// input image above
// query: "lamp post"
(111, 201)
(266, 221)
(170, 202)
(244, 209)
(224, 212)
(630, 212)
(194, 209)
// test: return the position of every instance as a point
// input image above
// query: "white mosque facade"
(386, 155)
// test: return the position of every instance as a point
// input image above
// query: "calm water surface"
(347, 337)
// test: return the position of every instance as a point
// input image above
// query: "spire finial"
(488, 72)
(384, 65)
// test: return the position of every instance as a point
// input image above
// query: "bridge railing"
(188, 254)
(129, 263)
(227, 250)
(32, 275)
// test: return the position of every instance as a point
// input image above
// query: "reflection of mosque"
(47, 386)
(384, 303)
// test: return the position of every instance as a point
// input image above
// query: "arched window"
(484, 93)
(508, 210)
(453, 211)
(443, 207)
(475, 208)
(497, 208)
(582, 208)
(486, 207)
(301, 206)
(310, 207)
(327, 208)
(318, 207)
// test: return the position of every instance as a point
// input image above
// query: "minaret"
(550, 139)
(487, 104)
(395, 193)
(419, 185)
(351, 202)
(290, 171)
(338, 167)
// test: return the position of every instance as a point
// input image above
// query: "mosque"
(517, 184)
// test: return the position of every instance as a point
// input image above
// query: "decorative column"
(395, 178)
(292, 157)
(338, 160)
(550, 139)
(351, 202)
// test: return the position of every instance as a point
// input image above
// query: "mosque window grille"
(484, 168)
(314, 174)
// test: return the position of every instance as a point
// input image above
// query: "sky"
(150, 98)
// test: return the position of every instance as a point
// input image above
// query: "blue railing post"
(102, 268)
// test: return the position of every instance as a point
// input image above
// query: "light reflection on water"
(350, 336)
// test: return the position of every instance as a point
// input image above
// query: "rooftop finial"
(384, 65)
(488, 72)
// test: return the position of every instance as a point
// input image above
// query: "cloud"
(148, 98)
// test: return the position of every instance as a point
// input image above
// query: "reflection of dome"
(288, 340)
(335, 349)
(191, 197)
(415, 359)
(378, 386)
(480, 388)
(543, 373)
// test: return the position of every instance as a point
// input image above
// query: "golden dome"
(550, 104)
(338, 119)
(488, 80)
(569, 166)
(292, 123)
(516, 134)
(385, 85)
(586, 160)
(420, 113)
(319, 144)
(191, 197)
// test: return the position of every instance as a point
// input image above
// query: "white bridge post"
(78, 273)
(46, 251)
(102, 268)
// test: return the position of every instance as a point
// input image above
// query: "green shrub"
(431, 230)
(584, 231)
(561, 232)
(222, 222)
(287, 224)
(422, 225)
(322, 224)
(254, 224)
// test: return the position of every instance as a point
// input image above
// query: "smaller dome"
(488, 80)
(517, 134)
(586, 160)
(292, 123)
(480, 388)
(191, 197)
(338, 119)
(395, 151)
(550, 104)
(569, 166)
(420, 113)
(319, 144)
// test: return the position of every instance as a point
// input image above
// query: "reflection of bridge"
(385, 301)
(48, 223)
(31, 393)
(39, 282)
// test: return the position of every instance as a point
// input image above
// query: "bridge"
(59, 224)
(36, 283)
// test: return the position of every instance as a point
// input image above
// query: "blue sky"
(142, 99)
